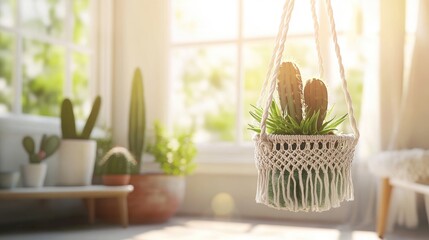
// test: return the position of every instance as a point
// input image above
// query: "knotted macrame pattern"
(304, 173)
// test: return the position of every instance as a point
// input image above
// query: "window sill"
(216, 160)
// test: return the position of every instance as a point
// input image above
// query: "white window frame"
(241, 151)
(99, 51)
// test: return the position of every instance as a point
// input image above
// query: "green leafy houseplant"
(48, 146)
(174, 152)
(297, 111)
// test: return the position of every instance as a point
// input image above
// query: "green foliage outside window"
(43, 67)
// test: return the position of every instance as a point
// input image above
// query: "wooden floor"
(187, 228)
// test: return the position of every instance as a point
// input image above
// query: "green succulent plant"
(175, 152)
(68, 124)
(289, 118)
(137, 120)
(48, 146)
(117, 160)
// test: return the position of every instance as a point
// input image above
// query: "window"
(46, 54)
(220, 51)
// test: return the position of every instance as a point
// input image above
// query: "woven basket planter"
(304, 173)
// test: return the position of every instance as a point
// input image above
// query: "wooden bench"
(89, 193)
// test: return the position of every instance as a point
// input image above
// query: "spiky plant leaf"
(278, 123)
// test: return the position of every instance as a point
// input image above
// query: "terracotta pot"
(116, 180)
(155, 199)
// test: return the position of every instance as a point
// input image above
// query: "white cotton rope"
(278, 57)
(342, 74)
(276, 47)
(317, 38)
(303, 172)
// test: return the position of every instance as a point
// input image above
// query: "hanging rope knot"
(264, 144)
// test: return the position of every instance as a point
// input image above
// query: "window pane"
(44, 16)
(302, 51)
(262, 18)
(7, 12)
(43, 78)
(80, 71)
(196, 20)
(82, 21)
(345, 15)
(256, 59)
(6, 72)
(205, 91)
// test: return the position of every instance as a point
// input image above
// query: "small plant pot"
(116, 180)
(34, 174)
(9, 180)
(76, 162)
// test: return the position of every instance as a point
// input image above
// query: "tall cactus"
(68, 125)
(137, 119)
(290, 90)
(48, 146)
(316, 99)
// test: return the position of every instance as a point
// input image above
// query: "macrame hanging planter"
(303, 172)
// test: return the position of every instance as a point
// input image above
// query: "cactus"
(290, 90)
(68, 125)
(48, 146)
(290, 119)
(316, 100)
(137, 119)
(117, 160)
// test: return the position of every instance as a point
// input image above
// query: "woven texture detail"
(304, 173)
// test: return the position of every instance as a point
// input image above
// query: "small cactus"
(137, 119)
(68, 125)
(290, 90)
(316, 99)
(48, 146)
(117, 160)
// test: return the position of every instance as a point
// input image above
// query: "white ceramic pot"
(34, 174)
(9, 179)
(76, 162)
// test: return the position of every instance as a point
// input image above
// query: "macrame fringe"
(304, 173)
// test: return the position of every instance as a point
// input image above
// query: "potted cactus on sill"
(299, 112)
(34, 173)
(147, 186)
(116, 166)
(77, 151)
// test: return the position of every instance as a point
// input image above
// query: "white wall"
(140, 40)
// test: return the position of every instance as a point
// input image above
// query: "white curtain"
(411, 129)
(395, 110)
